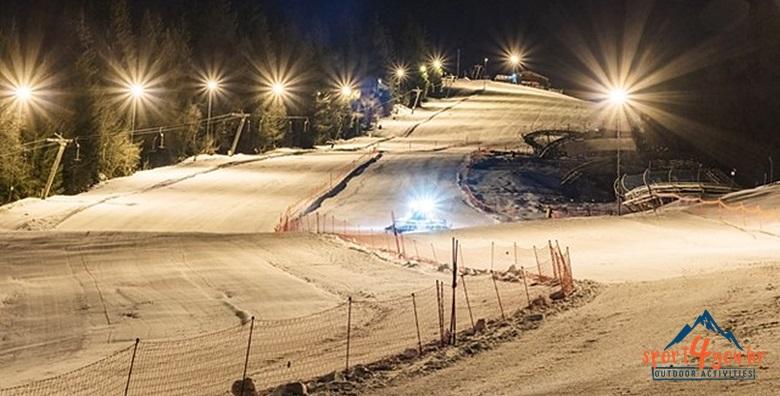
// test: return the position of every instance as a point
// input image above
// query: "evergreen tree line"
(68, 69)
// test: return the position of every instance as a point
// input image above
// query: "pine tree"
(273, 124)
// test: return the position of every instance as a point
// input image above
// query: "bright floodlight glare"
(400, 72)
(23, 93)
(346, 91)
(137, 90)
(277, 89)
(425, 206)
(514, 59)
(423, 69)
(618, 96)
(437, 64)
(212, 85)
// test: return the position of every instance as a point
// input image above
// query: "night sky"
(480, 29)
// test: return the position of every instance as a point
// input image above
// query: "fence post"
(468, 303)
(132, 362)
(417, 325)
(525, 283)
(492, 254)
(318, 222)
(349, 327)
(246, 360)
(453, 319)
(498, 296)
(553, 259)
(439, 313)
(538, 265)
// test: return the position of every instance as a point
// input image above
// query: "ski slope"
(208, 194)
(186, 249)
(422, 160)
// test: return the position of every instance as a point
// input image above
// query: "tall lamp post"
(484, 74)
(23, 94)
(400, 75)
(211, 87)
(514, 59)
(618, 98)
(137, 92)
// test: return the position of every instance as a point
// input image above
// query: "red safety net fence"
(274, 352)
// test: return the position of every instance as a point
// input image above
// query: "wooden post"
(492, 254)
(349, 328)
(468, 303)
(318, 222)
(417, 325)
(460, 251)
(525, 283)
(439, 313)
(538, 265)
(515, 248)
(132, 363)
(453, 319)
(246, 359)
(552, 259)
(498, 296)
(559, 255)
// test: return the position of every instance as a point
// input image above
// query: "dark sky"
(481, 28)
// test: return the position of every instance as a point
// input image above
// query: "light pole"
(618, 98)
(23, 94)
(484, 74)
(211, 87)
(137, 92)
(514, 59)
(438, 72)
(400, 75)
(277, 90)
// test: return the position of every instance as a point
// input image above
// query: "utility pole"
(484, 74)
(208, 117)
(233, 147)
(457, 72)
(418, 91)
(617, 188)
(62, 142)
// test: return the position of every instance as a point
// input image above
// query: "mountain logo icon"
(708, 322)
